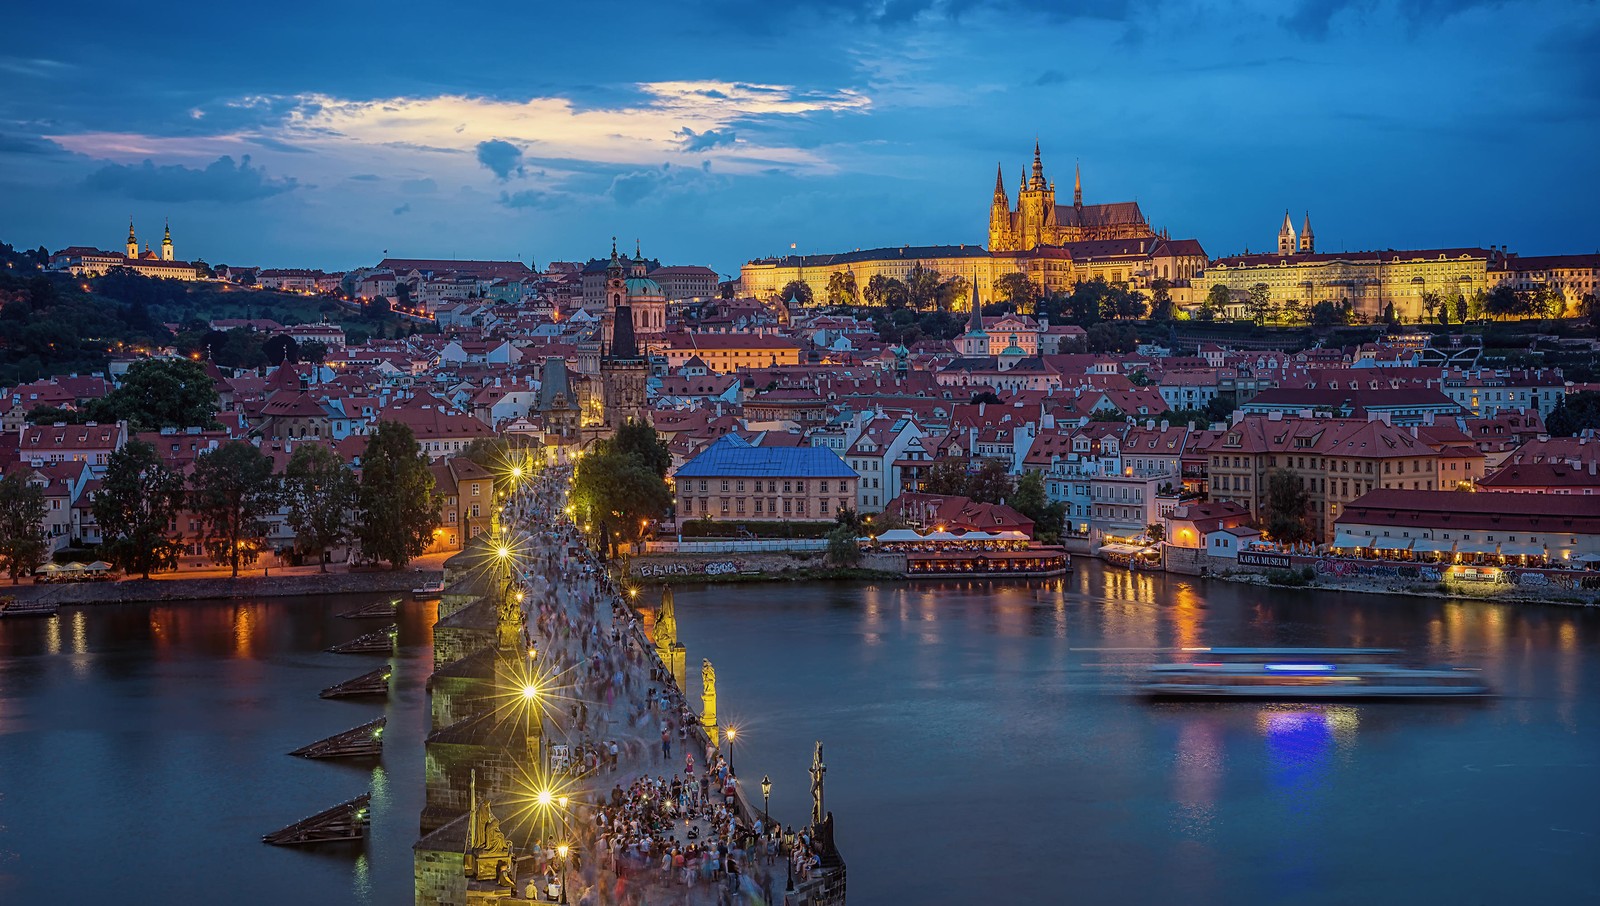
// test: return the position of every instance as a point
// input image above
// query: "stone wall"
(664, 566)
(133, 591)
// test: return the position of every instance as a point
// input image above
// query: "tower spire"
(1038, 169)
(1077, 184)
(999, 182)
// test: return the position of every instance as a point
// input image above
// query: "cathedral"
(1038, 220)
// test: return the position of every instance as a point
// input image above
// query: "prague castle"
(1056, 246)
(1038, 220)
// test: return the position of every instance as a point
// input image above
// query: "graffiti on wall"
(1377, 569)
(663, 570)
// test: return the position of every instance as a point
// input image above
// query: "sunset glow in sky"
(716, 131)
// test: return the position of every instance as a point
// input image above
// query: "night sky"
(319, 135)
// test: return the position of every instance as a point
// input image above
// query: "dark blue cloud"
(531, 198)
(27, 144)
(403, 209)
(705, 141)
(502, 158)
(221, 181)
(1050, 77)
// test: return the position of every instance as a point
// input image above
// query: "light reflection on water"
(993, 720)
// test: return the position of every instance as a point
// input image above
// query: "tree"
(402, 295)
(640, 441)
(320, 491)
(619, 493)
(1112, 338)
(1431, 303)
(1328, 314)
(22, 512)
(797, 289)
(1260, 302)
(1016, 288)
(1161, 308)
(1573, 413)
(950, 294)
(1218, 298)
(1156, 532)
(1293, 311)
(1286, 507)
(233, 490)
(1505, 302)
(1390, 317)
(842, 288)
(922, 287)
(1028, 498)
(991, 483)
(843, 550)
(161, 393)
(1551, 302)
(281, 348)
(314, 351)
(136, 503)
(396, 507)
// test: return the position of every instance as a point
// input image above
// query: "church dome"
(644, 288)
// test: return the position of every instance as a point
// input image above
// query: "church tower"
(1286, 242)
(999, 214)
(133, 241)
(975, 342)
(616, 296)
(1308, 245)
(1036, 207)
(166, 243)
(623, 373)
(1077, 186)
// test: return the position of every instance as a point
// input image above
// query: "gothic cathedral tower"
(1286, 240)
(1308, 245)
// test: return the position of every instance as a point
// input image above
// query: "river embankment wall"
(133, 591)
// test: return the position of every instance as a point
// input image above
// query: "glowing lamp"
(530, 691)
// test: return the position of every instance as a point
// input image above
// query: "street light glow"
(530, 691)
(545, 798)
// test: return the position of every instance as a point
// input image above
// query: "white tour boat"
(1308, 674)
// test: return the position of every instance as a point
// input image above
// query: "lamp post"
(562, 851)
(766, 793)
(733, 733)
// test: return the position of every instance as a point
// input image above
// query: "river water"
(979, 740)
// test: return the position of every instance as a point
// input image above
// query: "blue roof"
(732, 457)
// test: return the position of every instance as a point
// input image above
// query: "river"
(979, 740)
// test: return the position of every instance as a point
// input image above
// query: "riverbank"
(810, 574)
(1496, 594)
(133, 591)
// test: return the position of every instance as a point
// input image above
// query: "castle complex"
(1038, 220)
(1056, 246)
(87, 261)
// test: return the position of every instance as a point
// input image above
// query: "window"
(787, 486)
(475, 510)
(758, 504)
(702, 485)
(786, 507)
(474, 489)
(724, 486)
(823, 487)
(739, 486)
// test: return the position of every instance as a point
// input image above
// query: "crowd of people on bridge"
(673, 828)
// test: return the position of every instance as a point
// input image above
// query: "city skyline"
(718, 135)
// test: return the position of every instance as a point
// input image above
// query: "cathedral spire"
(975, 322)
(1077, 185)
(999, 183)
(1286, 239)
(1038, 169)
(1308, 245)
